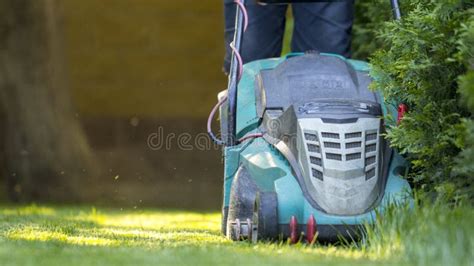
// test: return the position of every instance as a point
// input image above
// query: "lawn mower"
(304, 152)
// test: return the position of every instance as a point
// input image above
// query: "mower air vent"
(311, 137)
(353, 135)
(370, 147)
(353, 156)
(370, 154)
(332, 145)
(369, 160)
(317, 174)
(313, 148)
(314, 153)
(330, 135)
(333, 156)
(351, 145)
(315, 160)
(370, 136)
(369, 174)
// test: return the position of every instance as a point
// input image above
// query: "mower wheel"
(265, 216)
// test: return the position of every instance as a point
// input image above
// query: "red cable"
(239, 60)
(251, 136)
(244, 12)
(209, 121)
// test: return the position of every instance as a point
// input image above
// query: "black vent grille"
(351, 145)
(330, 135)
(370, 147)
(370, 160)
(353, 135)
(315, 160)
(369, 174)
(334, 156)
(313, 148)
(353, 156)
(317, 174)
(311, 137)
(371, 136)
(333, 145)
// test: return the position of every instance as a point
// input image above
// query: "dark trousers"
(324, 27)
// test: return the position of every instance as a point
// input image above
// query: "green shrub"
(465, 162)
(419, 65)
(369, 17)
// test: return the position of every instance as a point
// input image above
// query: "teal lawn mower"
(304, 152)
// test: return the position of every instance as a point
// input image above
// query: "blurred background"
(84, 84)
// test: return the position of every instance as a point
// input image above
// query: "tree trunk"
(45, 152)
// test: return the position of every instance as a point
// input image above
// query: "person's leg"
(264, 35)
(325, 27)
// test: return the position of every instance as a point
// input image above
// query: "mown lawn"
(45, 235)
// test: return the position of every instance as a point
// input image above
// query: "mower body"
(322, 158)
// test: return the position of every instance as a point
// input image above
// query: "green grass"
(45, 235)
(429, 235)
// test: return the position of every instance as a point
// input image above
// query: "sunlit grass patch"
(34, 233)
(160, 220)
(90, 236)
(28, 210)
(113, 228)
(113, 237)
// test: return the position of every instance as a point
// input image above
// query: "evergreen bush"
(465, 162)
(418, 63)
